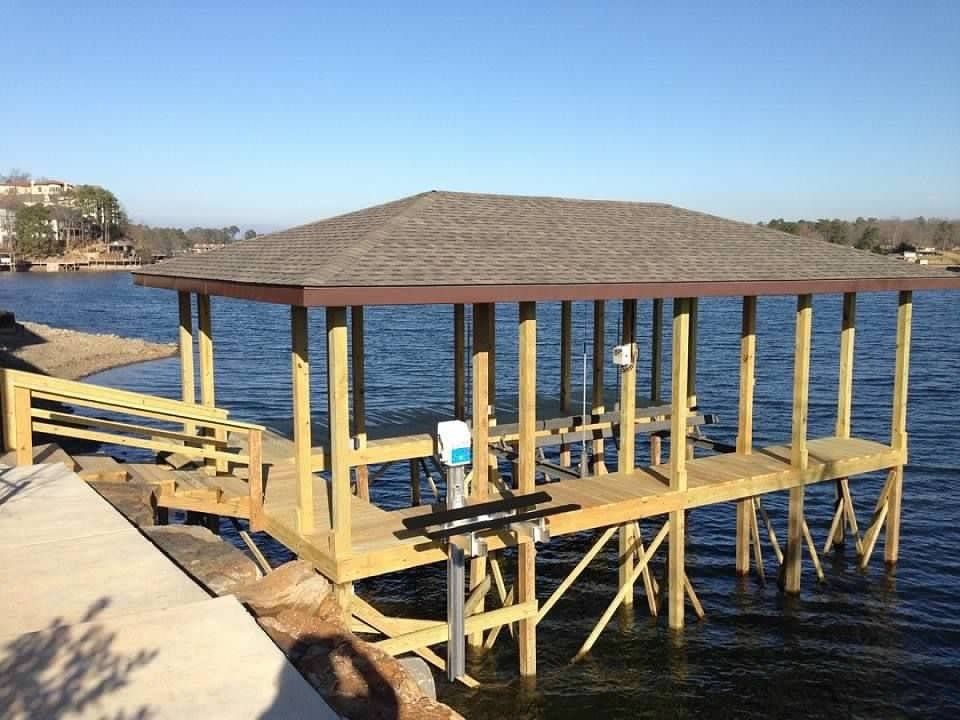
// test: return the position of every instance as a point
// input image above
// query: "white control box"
(454, 442)
(623, 355)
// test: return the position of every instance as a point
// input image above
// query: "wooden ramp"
(97, 622)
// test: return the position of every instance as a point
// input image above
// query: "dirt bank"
(73, 355)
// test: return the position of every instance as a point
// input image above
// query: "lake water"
(871, 644)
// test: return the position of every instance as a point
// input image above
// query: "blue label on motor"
(460, 456)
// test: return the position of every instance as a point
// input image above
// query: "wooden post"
(627, 454)
(302, 432)
(599, 360)
(188, 391)
(898, 433)
(23, 449)
(845, 401)
(255, 478)
(339, 419)
(207, 395)
(205, 326)
(678, 458)
(526, 459)
(414, 482)
(493, 462)
(748, 356)
(692, 363)
(656, 372)
(481, 436)
(566, 363)
(359, 396)
(798, 445)
(459, 363)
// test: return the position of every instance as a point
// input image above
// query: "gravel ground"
(73, 355)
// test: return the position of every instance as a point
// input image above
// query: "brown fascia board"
(445, 294)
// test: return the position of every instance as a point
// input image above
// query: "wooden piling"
(599, 360)
(357, 351)
(302, 431)
(566, 363)
(798, 445)
(207, 385)
(748, 356)
(188, 390)
(481, 436)
(526, 553)
(656, 372)
(339, 418)
(459, 363)
(678, 459)
(627, 453)
(898, 430)
(845, 402)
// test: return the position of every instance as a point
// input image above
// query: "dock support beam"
(845, 403)
(339, 419)
(599, 359)
(526, 459)
(676, 570)
(359, 396)
(207, 393)
(899, 424)
(692, 363)
(302, 432)
(459, 363)
(798, 447)
(656, 373)
(627, 455)
(566, 363)
(481, 436)
(748, 357)
(188, 391)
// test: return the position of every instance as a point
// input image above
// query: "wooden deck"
(381, 544)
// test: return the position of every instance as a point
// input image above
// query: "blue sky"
(219, 114)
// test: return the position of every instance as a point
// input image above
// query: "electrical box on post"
(623, 355)
(454, 442)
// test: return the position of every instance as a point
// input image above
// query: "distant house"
(121, 247)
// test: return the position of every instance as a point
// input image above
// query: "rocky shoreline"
(73, 355)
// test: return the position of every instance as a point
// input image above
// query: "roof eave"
(446, 294)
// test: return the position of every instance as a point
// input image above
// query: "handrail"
(21, 419)
(127, 401)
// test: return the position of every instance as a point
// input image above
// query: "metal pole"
(456, 562)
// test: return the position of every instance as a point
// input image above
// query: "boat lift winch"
(460, 527)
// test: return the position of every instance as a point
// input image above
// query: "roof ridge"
(364, 243)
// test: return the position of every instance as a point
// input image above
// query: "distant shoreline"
(74, 355)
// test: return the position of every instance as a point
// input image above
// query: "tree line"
(880, 236)
(88, 215)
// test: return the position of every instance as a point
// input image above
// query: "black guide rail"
(514, 502)
(496, 523)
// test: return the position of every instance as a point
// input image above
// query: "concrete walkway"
(95, 622)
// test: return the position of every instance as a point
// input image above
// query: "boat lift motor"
(460, 527)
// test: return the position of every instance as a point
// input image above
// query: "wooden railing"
(197, 432)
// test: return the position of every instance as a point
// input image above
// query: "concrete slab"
(122, 572)
(46, 502)
(201, 660)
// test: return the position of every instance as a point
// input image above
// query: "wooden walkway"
(97, 622)
(381, 544)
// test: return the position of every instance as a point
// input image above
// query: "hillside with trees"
(89, 216)
(881, 236)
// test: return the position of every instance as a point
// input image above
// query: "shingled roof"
(465, 247)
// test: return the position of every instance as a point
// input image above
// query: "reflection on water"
(862, 644)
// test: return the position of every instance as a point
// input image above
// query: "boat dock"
(584, 471)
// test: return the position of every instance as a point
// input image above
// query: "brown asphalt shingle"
(463, 239)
